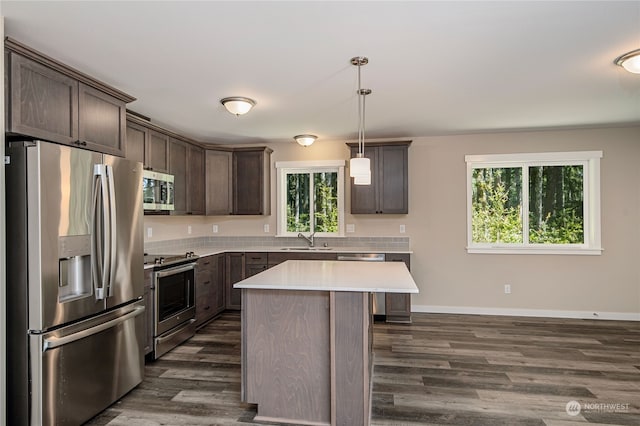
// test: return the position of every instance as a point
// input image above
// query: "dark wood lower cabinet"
(210, 284)
(149, 312)
(234, 271)
(398, 305)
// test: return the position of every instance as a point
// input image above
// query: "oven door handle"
(163, 338)
(175, 270)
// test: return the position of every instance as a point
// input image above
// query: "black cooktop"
(169, 259)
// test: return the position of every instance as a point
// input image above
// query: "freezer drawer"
(79, 371)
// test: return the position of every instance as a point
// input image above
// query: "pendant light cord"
(360, 116)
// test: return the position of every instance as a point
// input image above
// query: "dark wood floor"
(440, 370)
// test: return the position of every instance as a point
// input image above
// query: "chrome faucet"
(308, 239)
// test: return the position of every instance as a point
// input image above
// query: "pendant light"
(360, 166)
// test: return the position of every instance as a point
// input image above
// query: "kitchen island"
(307, 339)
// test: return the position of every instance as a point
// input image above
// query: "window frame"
(590, 160)
(287, 167)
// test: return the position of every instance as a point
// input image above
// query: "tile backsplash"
(182, 245)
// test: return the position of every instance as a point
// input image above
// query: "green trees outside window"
(554, 200)
(312, 202)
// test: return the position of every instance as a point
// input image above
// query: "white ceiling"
(434, 67)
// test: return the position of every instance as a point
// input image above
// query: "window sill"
(536, 250)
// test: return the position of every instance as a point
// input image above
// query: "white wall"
(452, 280)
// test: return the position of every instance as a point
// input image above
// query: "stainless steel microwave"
(157, 190)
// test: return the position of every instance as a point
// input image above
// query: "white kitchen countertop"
(209, 251)
(331, 275)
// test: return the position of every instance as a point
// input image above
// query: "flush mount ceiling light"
(629, 61)
(305, 140)
(360, 166)
(238, 105)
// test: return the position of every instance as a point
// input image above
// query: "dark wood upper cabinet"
(137, 141)
(389, 189)
(195, 180)
(218, 182)
(44, 102)
(157, 152)
(49, 100)
(101, 121)
(252, 181)
(178, 168)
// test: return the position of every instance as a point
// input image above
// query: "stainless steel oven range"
(173, 296)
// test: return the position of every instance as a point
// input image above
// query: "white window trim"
(284, 167)
(591, 193)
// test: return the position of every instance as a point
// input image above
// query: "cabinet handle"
(206, 308)
(206, 282)
(81, 143)
(189, 212)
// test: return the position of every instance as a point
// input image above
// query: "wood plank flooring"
(440, 370)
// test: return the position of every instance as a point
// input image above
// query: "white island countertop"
(331, 275)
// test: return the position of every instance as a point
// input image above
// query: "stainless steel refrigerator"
(75, 327)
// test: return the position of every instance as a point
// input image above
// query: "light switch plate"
(266, 227)
(214, 228)
(149, 232)
(351, 227)
(189, 229)
(402, 229)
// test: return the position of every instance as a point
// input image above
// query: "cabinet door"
(149, 312)
(393, 181)
(219, 302)
(234, 273)
(137, 139)
(364, 198)
(398, 305)
(250, 182)
(44, 102)
(195, 180)
(101, 120)
(178, 168)
(204, 290)
(218, 174)
(157, 152)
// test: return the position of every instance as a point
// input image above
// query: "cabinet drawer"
(205, 264)
(277, 258)
(255, 258)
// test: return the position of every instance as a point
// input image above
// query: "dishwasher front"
(378, 298)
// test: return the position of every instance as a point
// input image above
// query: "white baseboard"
(473, 310)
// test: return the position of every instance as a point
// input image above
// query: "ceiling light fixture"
(360, 166)
(629, 61)
(238, 105)
(305, 140)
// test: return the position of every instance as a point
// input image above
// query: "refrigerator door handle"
(112, 229)
(55, 342)
(101, 232)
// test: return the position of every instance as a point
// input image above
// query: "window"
(310, 197)
(534, 203)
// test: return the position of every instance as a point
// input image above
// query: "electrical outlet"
(149, 232)
(189, 229)
(351, 227)
(507, 289)
(402, 229)
(214, 228)
(266, 227)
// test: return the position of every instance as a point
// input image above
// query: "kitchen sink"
(307, 248)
